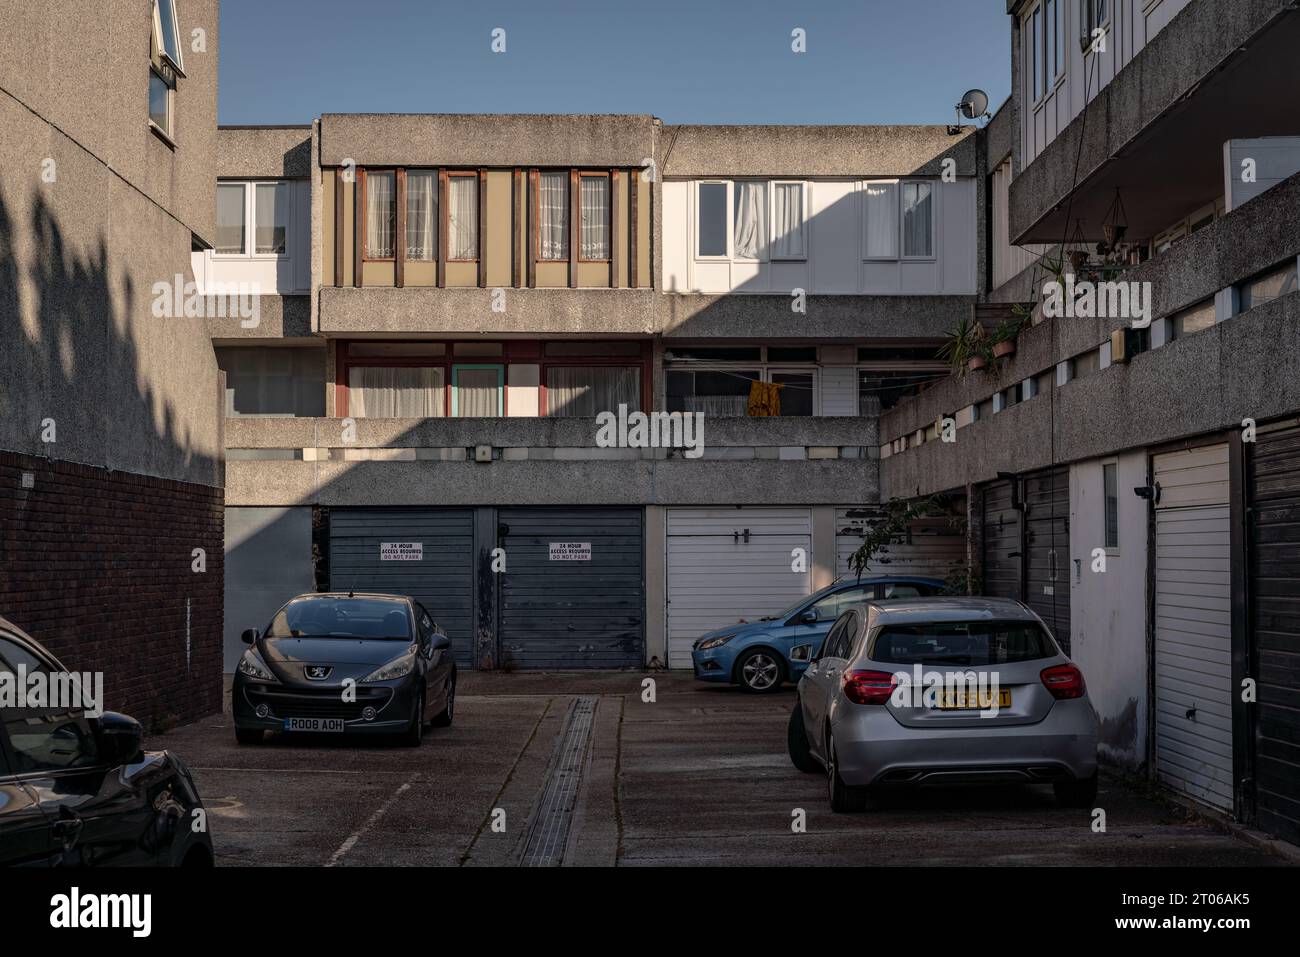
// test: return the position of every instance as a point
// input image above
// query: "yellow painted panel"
(643, 233)
(349, 231)
(379, 274)
(462, 274)
(621, 229)
(552, 275)
(327, 227)
(500, 227)
(593, 274)
(420, 274)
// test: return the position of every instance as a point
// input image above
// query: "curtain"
(421, 215)
(478, 393)
(395, 393)
(594, 194)
(380, 215)
(553, 216)
(230, 219)
(718, 404)
(882, 220)
(751, 220)
(579, 391)
(462, 217)
(788, 221)
(270, 216)
(918, 220)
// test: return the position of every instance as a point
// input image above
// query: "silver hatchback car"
(930, 691)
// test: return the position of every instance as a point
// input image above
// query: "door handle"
(68, 828)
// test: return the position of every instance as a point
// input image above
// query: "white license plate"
(313, 724)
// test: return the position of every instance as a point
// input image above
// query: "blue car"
(762, 654)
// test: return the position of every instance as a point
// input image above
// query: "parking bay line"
(371, 821)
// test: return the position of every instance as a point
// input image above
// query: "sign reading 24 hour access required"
(401, 551)
(570, 551)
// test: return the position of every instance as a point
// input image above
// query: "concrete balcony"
(545, 461)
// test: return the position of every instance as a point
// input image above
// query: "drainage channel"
(549, 831)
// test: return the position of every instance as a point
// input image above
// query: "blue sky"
(867, 61)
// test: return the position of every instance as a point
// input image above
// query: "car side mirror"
(249, 636)
(441, 642)
(809, 617)
(119, 739)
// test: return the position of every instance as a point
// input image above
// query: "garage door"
(441, 577)
(1000, 532)
(1047, 550)
(1193, 626)
(572, 594)
(725, 564)
(1275, 628)
(930, 549)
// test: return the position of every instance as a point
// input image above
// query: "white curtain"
(882, 220)
(718, 404)
(380, 215)
(553, 216)
(395, 393)
(270, 216)
(788, 221)
(594, 194)
(421, 215)
(462, 217)
(478, 393)
(918, 220)
(230, 219)
(751, 220)
(579, 391)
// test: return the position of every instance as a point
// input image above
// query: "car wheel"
(414, 734)
(444, 719)
(759, 671)
(1076, 793)
(844, 799)
(249, 735)
(796, 739)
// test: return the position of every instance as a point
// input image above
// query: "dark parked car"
(333, 663)
(79, 791)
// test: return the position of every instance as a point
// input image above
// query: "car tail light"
(1064, 681)
(868, 687)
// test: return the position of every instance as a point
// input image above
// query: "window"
(590, 390)
(160, 101)
(918, 220)
(711, 221)
(1035, 58)
(711, 391)
(273, 381)
(901, 590)
(1195, 319)
(962, 643)
(750, 219)
(343, 618)
(881, 220)
(231, 219)
(593, 238)
(421, 215)
(1110, 493)
(167, 34)
(271, 215)
(1052, 26)
(797, 391)
(462, 217)
(1271, 285)
(830, 607)
(788, 221)
(165, 65)
(553, 216)
(1084, 364)
(477, 391)
(398, 392)
(882, 389)
(381, 214)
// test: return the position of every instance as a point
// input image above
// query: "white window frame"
(761, 365)
(805, 232)
(728, 216)
(250, 222)
(770, 189)
(159, 29)
(1111, 550)
(934, 222)
(731, 221)
(896, 186)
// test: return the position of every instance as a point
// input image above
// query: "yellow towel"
(765, 398)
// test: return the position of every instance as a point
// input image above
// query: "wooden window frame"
(645, 362)
(535, 211)
(444, 214)
(575, 252)
(364, 228)
(501, 368)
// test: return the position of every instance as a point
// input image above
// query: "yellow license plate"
(972, 700)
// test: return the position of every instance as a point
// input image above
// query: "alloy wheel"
(760, 671)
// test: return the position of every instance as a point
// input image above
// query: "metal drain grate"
(549, 832)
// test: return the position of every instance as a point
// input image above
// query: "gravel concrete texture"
(697, 776)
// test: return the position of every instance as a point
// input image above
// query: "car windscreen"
(806, 600)
(374, 618)
(965, 643)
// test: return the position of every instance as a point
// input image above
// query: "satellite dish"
(974, 104)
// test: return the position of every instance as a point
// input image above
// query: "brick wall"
(96, 565)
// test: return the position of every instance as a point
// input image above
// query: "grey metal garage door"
(1000, 527)
(442, 579)
(1047, 550)
(572, 594)
(1275, 627)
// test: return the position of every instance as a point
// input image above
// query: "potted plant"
(1004, 336)
(978, 357)
(956, 347)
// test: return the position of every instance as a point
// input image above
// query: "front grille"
(316, 703)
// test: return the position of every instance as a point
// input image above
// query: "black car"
(334, 663)
(78, 790)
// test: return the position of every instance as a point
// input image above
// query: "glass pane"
(478, 393)
(787, 221)
(1036, 53)
(797, 396)
(588, 391)
(711, 219)
(159, 103)
(49, 740)
(230, 219)
(1195, 319)
(713, 392)
(392, 393)
(1110, 483)
(1274, 285)
(594, 196)
(421, 215)
(381, 215)
(882, 220)
(462, 217)
(270, 217)
(918, 220)
(750, 220)
(171, 43)
(553, 216)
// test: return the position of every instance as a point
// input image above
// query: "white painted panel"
(521, 389)
(674, 198)
(837, 227)
(932, 549)
(716, 577)
(839, 387)
(1193, 624)
(1275, 158)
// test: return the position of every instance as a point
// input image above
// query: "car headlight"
(251, 664)
(397, 668)
(716, 642)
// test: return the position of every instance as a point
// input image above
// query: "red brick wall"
(96, 565)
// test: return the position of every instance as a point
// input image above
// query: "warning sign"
(401, 551)
(570, 551)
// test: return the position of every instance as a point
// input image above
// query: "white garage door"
(725, 564)
(1193, 653)
(931, 548)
